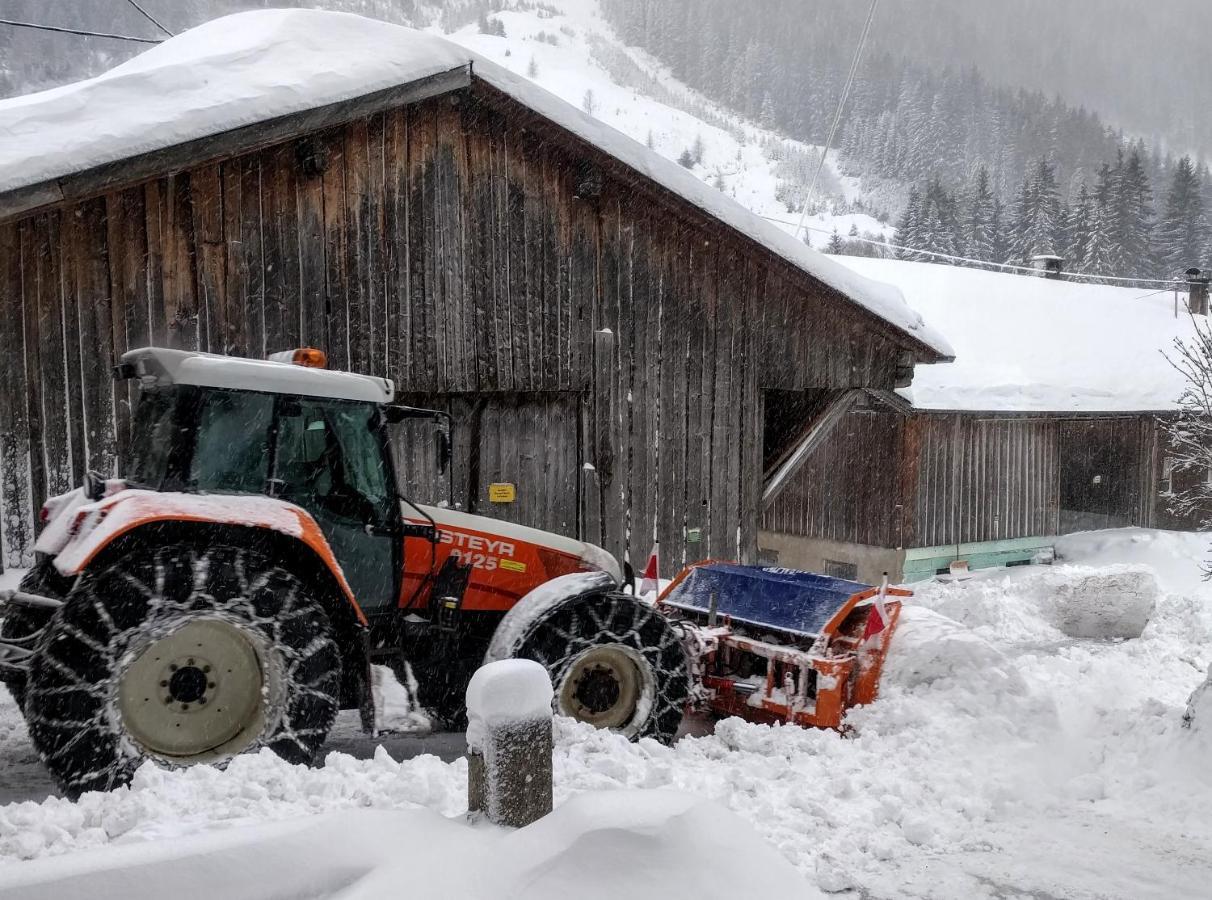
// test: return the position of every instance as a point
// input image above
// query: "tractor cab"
(314, 438)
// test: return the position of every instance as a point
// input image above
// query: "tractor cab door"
(330, 459)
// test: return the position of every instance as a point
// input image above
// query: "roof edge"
(223, 144)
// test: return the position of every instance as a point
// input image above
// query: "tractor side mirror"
(94, 485)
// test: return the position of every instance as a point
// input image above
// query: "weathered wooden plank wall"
(461, 246)
(964, 477)
(846, 491)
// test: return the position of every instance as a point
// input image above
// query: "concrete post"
(509, 768)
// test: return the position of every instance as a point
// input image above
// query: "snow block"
(929, 647)
(1104, 604)
(509, 742)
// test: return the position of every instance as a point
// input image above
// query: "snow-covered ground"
(1004, 758)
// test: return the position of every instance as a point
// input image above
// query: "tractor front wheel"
(615, 662)
(181, 655)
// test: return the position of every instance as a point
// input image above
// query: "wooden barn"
(609, 334)
(1049, 422)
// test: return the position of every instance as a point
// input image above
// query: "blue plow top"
(784, 600)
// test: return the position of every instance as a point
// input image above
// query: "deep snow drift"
(1004, 758)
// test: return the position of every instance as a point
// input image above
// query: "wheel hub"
(199, 693)
(598, 689)
(603, 687)
(188, 685)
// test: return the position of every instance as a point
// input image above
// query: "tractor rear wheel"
(181, 655)
(615, 662)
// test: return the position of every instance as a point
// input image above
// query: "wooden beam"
(111, 176)
(816, 432)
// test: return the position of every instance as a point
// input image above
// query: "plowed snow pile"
(1010, 754)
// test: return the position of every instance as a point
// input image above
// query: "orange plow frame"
(811, 687)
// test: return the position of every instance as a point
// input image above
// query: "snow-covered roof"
(254, 66)
(239, 373)
(1028, 344)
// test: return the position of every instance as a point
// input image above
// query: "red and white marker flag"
(650, 580)
(877, 619)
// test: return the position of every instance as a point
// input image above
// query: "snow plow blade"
(772, 644)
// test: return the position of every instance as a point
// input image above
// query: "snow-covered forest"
(973, 167)
(966, 158)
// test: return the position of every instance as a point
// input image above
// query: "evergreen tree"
(907, 227)
(835, 243)
(1078, 231)
(1135, 219)
(1019, 230)
(1102, 252)
(696, 150)
(978, 226)
(997, 228)
(1043, 229)
(686, 159)
(1183, 232)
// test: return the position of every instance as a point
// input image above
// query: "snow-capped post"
(509, 768)
(1197, 297)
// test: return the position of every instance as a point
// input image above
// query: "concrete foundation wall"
(815, 555)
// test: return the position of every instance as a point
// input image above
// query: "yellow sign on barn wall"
(502, 493)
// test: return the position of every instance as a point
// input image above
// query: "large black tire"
(593, 644)
(181, 619)
(22, 621)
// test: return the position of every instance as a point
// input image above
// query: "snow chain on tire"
(606, 631)
(113, 615)
(22, 621)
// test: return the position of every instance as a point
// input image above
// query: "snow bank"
(929, 647)
(1051, 603)
(598, 845)
(1173, 556)
(254, 66)
(1003, 758)
(1025, 344)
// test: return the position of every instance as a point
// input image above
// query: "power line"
(149, 18)
(837, 116)
(79, 31)
(979, 262)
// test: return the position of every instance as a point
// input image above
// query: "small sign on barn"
(502, 492)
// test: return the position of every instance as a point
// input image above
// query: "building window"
(1167, 478)
(835, 568)
(767, 557)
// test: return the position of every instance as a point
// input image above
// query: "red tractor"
(234, 588)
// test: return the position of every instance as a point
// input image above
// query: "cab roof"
(240, 373)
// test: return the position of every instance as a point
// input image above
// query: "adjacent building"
(1048, 422)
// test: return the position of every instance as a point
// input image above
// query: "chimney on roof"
(1197, 291)
(1047, 265)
